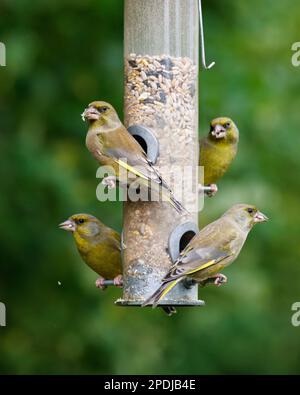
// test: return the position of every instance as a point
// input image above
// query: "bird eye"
(250, 210)
(102, 109)
(227, 125)
(80, 221)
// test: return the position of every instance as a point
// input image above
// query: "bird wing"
(112, 238)
(209, 247)
(125, 150)
(196, 265)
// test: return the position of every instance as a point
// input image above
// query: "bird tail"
(163, 192)
(177, 205)
(162, 291)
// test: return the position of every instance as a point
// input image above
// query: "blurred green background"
(60, 56)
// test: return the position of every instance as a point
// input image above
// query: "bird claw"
(100, 283)
(217, 280)
(118, 281)
(110, 182)
(209, 190)
(220, 279)
(212, 190)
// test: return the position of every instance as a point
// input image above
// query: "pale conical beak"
(219, 131)
(90, 113)
(260, 217)
(68, 225)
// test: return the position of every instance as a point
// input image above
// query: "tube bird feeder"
(161, 112)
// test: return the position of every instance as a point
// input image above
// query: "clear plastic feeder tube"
(161, 93)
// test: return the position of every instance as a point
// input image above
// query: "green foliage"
(62, 55)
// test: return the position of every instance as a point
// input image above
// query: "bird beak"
(68, 225)
(260, 217)
(90, 114)
(219, 131)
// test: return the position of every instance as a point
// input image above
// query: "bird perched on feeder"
(100, 248)
(217, 151)
(211, 250)
(98, 245)
(112, 145)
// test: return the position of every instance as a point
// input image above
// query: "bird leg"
(110, 182)
(220, 279)
(217, 280)
(209, 190)
(118, 281)
(213, 189)
(100, 283)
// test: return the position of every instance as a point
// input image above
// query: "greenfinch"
(112, 145)
(98, 245)
(100, 248)
(211, 250)
(218, 150)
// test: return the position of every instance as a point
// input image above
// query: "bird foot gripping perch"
(218, 280)
(103, 284)
(209, 190)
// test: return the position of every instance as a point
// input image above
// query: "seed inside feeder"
(160, 94)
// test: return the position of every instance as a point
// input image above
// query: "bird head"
(223, 128)
(246, 215)
(84, 225)
(99, 112)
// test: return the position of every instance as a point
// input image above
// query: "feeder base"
(167, 303)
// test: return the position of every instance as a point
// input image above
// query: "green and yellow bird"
(98, 245)
(211, 250)
(100, 248)
(112, 145)
(217, 150)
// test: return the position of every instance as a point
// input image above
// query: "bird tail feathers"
(177, 205)
(163, 191)
(162, 291)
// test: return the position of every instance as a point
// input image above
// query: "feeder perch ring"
(145, 137)
(189, 229)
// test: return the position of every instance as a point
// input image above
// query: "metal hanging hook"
(202, 39)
